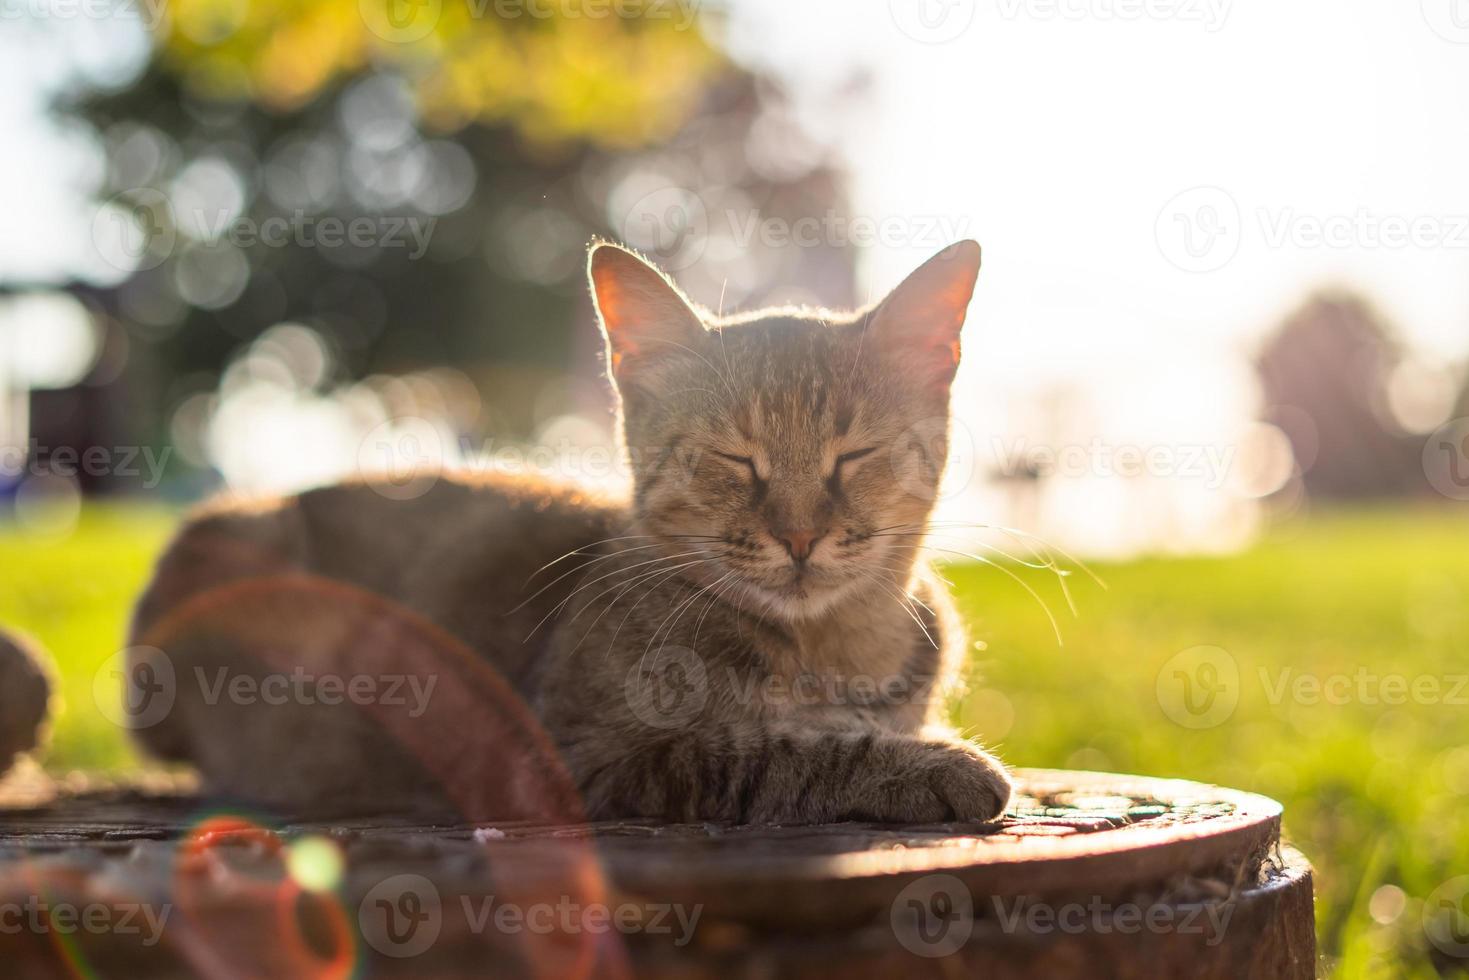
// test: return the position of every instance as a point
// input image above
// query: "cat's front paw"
(934, 782)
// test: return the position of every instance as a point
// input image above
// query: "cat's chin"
(799, 598)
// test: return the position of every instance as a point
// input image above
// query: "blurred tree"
(417, 182)
(1324, 375)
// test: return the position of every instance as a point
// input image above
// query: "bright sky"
(1330, 136)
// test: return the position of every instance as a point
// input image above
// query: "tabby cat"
(752, 637)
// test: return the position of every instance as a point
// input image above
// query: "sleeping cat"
(751, 638)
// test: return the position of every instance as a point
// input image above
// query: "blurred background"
(1218, 350)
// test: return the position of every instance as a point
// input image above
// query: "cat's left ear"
(646, 319)
(920, 321)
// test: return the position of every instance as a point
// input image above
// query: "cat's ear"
(645, 317)
(919, 322)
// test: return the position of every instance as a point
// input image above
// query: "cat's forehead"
(786, 369)
(788, 348)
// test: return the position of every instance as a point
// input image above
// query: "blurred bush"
(309, 202)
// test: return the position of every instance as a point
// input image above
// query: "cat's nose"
(799, 543)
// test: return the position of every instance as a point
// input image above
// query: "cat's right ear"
(645, 318)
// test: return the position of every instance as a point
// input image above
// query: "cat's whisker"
(638, 579)
(556, 610)
(720, 592)
(586, 549)
(1042, 563)
(902, 601)
(897, 570)
(591, 546)
(580, 568)
(612, 642)
(650, 590)
(676, 615)
(1055, 627)
(1020, 537)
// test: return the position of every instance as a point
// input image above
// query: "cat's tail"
(26, 684)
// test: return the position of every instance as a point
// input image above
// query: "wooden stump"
(1090, 875)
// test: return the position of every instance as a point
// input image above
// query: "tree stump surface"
(1088, 875)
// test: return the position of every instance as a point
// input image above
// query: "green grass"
(74, 594)
(1376, 794)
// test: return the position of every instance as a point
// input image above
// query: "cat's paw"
(937, 782)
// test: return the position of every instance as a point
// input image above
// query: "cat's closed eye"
(851, 457)
(742, 461)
